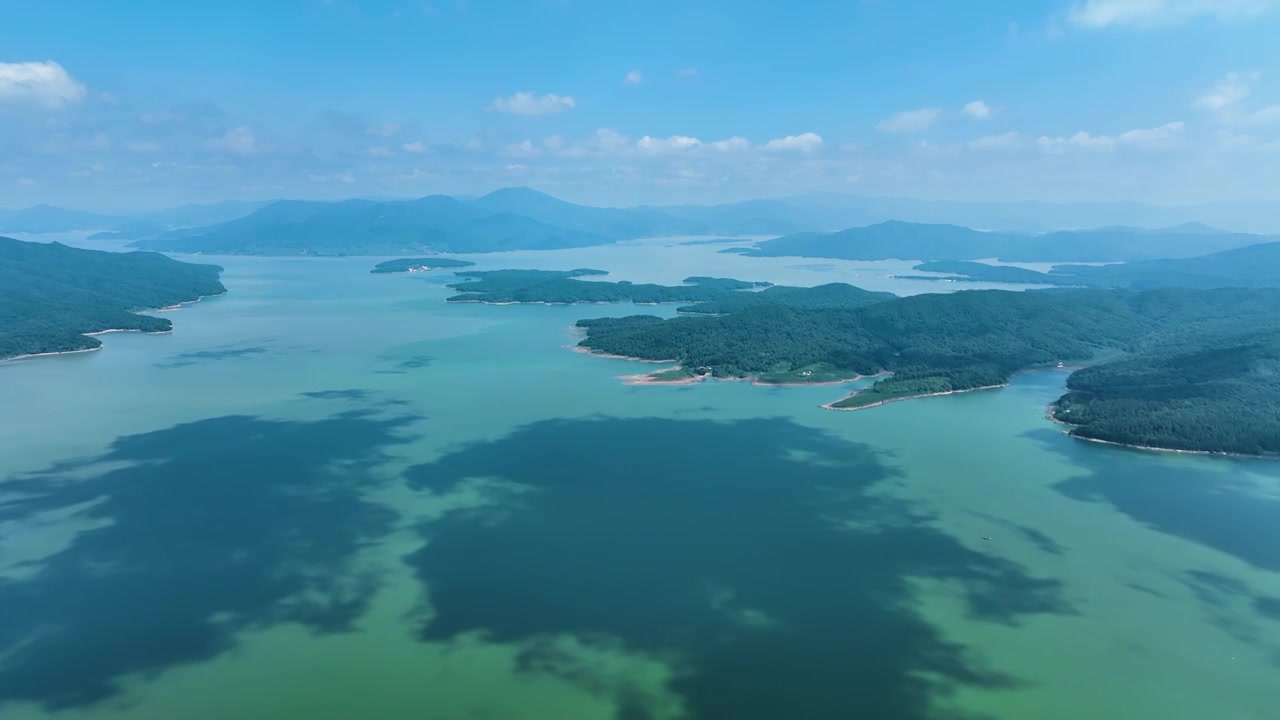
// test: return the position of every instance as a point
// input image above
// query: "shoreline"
(878, 403)
(1068, 427)
(51, 354)
(167, 308)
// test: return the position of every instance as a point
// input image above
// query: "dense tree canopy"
(563, 286)
(416, 264)
(50, 294)
(961, 341)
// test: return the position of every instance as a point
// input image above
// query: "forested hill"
(565, 287)
(961, 341)
(917, 241)
(51, 293)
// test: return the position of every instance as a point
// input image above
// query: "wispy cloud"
(687, 72)
(1158, 13)
(633, 77)
(661, 145)
(977, 109)
(804, 142)
(1156, 137)
(528, 103)
(1230, 90)
(417, 146)
(236, 141)
(38, 84)
(1003, 141)
(909, 121)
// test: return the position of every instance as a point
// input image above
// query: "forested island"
(405, 265)
(1251, 266)
(933, 344)
(565, 287)
(51, 294)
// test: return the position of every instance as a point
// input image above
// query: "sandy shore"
(50, 354)
(831, 405)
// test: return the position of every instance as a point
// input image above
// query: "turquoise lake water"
(330, 495)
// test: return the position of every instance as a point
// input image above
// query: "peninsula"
(1171, 368)
(51, 295)
(562, 287)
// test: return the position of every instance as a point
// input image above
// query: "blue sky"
(150, 103)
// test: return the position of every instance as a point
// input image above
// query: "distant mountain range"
(521, 218)
(916, 241)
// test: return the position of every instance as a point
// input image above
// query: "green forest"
(50, 294)
(402, 265)
(974, 339)
(1252, 266)
(564, 287)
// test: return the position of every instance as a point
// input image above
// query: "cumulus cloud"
(909, 121)
(1157, 13)
(633, 78)
(38, 84)
(804, 142)
(417, 146)
(528, 103)
(730, 144)
(524, 148)
(1157, 137)
(978, 110)
(1230, 90)
(237, 141)
(661, 145)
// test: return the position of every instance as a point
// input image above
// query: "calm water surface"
(330, 495)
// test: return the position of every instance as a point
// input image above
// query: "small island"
(564, 287)
(409, 265)
(53, 296)
(1187, 370)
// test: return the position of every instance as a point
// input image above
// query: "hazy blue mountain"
(203, 214)
(49, 219)
(435, 223)
(614, 223)
(917, 241)
(1251, 266)
(752, 217)
(131, 230)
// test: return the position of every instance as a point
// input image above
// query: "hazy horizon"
(1168, 102)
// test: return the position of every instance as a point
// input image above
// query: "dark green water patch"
(206, 529)
(227, 352)
(757, 555)
(1226, 511)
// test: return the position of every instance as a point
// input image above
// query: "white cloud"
(633, 78)
(417, 146)
(515, 167)
(237, 141)
(142, 147)
(1157, 13)
(730, 144)
(661, 145)
(25, 181)
(379, 151)
(1003, 141)
(978, 110)
(909, 121)
(1230, 90)
(1157, 137)
(804, 142)
(41, 84)
(527, 103)
(524, 148)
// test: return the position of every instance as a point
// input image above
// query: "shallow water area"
(329, 494)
